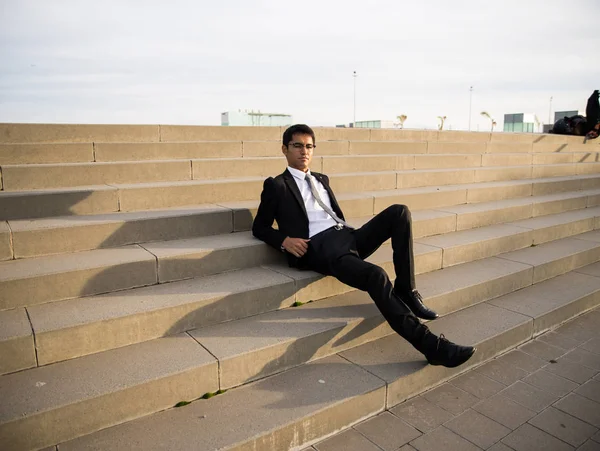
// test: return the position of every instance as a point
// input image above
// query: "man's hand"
(295, 246)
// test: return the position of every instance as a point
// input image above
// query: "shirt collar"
(297, 173)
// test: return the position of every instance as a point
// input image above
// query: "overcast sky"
(185, 62)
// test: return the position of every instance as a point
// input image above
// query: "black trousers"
(341, 254)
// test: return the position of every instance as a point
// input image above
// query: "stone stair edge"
(76, 164)
(232, 239)
(11, 132)
(561, 257)
(224, 181)
(437, 376)
(241, 209)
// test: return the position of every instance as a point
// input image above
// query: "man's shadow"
(289, 330)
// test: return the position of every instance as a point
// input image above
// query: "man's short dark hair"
(302, 129)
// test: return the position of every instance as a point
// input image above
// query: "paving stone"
(529, 438)
(500, 447)
(407, 448)
(442, 439)
(349, 440)
(505, 411)
(387, 431)
(551, 383)
(422, 414)
(505, 374)
(596, 437)
(522, 361)
(571, 370)
(579, 330)
(556, 339)
(529, 396)
(583, 357)
(563, 426)
(590, 445)
(591, 390)
(477, 384)
(580, 407)
(477, 428)
(592, 345)
(542, 350)
(450, 398)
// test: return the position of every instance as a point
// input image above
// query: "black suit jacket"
(281, 201)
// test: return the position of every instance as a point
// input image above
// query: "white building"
(255, 118)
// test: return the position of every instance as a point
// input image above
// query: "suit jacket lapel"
(291, 183)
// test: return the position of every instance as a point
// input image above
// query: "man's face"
(299, 151)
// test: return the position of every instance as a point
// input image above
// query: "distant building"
(520, 122)
(255, 118)
(374, 124)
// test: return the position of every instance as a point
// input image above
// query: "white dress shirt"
(318, 219)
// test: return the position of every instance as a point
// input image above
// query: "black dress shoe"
(414, 302)
(449, 354)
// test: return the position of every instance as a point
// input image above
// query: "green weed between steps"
(298, 303)
(206, 395)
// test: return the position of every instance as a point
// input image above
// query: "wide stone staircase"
(138, 312)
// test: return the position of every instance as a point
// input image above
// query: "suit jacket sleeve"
(262, 228)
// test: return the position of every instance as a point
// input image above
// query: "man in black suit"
(313, 233)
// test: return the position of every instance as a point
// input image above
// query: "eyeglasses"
(301, 146)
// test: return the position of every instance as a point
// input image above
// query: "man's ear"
(284, 150)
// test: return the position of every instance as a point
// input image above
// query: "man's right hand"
(295, 246)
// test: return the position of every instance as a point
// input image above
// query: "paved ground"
(543, 396)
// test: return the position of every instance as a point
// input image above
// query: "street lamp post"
(470, 103)
(354, 75)
(550, 121)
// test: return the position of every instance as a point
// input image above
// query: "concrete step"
(43, 279)
(574, 144)
(322, 397)
(87, 272)
(42, 153)
(6, 245)
(143, 314)
(116, 386)
(48, 176)
(76, 327)
(77, 133)
(259, 346)
(543, 306)
(160, 195)
(411, 170)
(46, 153)
(58, 202)
(64, 234)
(432, 197)
(36, 237)
(91, 272)
(94, 133)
